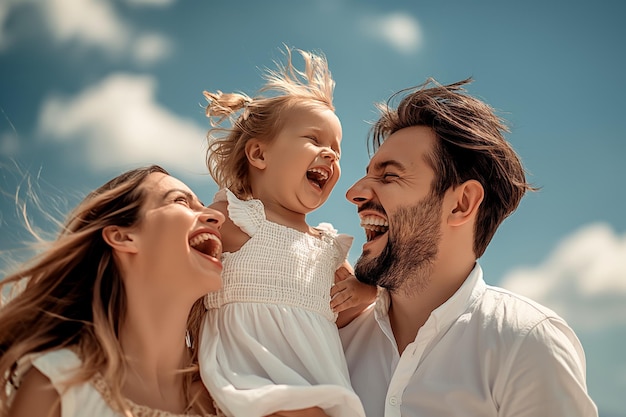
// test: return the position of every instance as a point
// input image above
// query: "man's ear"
(121, 239)
(255, 152)
(468, 197)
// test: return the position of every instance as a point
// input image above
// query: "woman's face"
(178, 242)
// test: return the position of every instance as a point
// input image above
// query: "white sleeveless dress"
(91, 398)
(269, 340)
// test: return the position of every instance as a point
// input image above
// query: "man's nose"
(359, 192)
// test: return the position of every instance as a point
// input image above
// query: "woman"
(101, 325)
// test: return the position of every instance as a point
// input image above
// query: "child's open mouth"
(318, 176)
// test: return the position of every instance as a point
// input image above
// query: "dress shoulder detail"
(139, 410)
(343, 241)
(248, 215)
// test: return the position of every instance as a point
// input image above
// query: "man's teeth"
(374, 226)
(374, 223)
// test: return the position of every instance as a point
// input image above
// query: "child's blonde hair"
(261, 117)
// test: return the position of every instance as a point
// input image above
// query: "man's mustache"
(371, 205)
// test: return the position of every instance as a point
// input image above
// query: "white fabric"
(485, 352)
(77, 400)
(269, 341)
(87, 399)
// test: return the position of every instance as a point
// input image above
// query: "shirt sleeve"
(545, 375)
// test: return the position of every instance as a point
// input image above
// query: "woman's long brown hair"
(74, 295)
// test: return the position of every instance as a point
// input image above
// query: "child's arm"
(233, 238)
(349, 296)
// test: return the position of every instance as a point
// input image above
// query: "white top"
(269, 340)
(87, 399)
(485, 352)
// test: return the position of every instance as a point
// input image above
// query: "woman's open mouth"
(207, 243)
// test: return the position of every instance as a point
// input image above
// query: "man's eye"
(182, 200)
(389, 176)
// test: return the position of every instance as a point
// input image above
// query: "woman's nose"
(212, 216)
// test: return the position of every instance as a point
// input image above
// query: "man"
(439, 341)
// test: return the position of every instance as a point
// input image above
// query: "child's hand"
(349, 292)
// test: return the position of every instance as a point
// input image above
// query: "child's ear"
(255, 151)
(121, 239)
(468, 197)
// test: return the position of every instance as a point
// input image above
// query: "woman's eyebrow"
(186, 193)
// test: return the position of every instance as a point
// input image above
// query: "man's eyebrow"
(379, 166)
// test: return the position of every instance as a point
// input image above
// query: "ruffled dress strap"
(343, 241)
(58, 365)
(248, 215)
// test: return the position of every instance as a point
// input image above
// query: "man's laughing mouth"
(375, 226)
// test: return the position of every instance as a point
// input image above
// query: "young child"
(270, 339)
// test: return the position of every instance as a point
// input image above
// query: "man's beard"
(406, 261)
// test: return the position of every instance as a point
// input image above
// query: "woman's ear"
(255, 152)
(121, 239)
(468, 197)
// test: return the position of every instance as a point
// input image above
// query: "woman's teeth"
(207, 243)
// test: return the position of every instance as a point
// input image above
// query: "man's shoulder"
(512, 310)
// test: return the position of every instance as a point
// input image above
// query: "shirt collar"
(471, 289)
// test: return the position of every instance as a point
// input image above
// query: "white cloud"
(118, 123)
(583, 279)
(151, 48)
(401, 30)
(5, 39)
(90, 24)
(9, 144)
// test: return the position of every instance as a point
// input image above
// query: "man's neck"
(409, 310)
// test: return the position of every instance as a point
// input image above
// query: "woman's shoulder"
(34, 384)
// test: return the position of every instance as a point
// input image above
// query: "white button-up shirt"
(484, 352)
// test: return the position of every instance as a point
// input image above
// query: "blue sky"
(91, 88)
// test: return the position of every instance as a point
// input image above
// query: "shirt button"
(393, 401)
